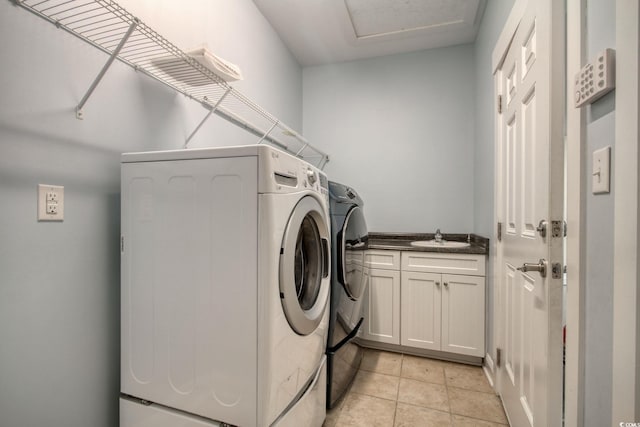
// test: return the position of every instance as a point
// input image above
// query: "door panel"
(511, 166)
(421, 310)
(463, 314)
(382, 306)
(528, 165)
(530, 159)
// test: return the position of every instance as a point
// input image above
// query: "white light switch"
(50, 202)
(600, 170)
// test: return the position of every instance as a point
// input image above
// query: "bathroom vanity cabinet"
(381, 303)
(425, 301)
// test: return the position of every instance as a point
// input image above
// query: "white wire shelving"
(110, 28)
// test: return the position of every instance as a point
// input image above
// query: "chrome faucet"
(438, 236)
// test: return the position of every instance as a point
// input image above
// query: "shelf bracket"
(96, 81)
(213, 109)
(268, 132)
(323, 162)
(306, 144)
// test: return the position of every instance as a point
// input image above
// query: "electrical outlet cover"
(50, 202)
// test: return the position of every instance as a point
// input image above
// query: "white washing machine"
(225, 288)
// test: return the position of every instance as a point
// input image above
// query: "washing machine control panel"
(312, 176)
(283, 173)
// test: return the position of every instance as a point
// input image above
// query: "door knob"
(540, 267)
(542, 228)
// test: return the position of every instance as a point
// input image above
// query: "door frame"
(626, 274)
(626, 277)
(576, 164)
(557, 85)
(497, 58)
(626, 319)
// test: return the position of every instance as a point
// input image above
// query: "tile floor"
(395, 390)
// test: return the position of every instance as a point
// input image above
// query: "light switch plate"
(600, 170)
(50, 202)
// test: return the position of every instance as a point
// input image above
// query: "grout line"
(479, 419)
(395, 411)
(474, 390)
(370, 395)
(400, 377)
(446, 388)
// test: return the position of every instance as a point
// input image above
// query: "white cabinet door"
(463, 314)
(382, 306)
(421, 315)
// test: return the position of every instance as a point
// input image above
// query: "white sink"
(441, 244)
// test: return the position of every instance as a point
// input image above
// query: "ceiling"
(328, 31)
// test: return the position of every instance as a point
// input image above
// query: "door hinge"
(499, 232)
(499, 104)
(498, 357)
(558, 229)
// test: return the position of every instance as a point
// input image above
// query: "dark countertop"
(402, 242)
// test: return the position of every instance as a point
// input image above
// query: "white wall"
(60, 282)
(400, 130)
(600, 237)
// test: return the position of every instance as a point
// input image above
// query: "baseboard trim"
(442, 355)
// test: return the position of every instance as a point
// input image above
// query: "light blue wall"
(414, 134)
(400, 130)
(598, 284)
(237, 32)
(495, 16)
(60, 282)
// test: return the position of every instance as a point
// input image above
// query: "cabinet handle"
(437, 283)
(446, 284)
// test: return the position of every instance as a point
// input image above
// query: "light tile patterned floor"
(395, 390)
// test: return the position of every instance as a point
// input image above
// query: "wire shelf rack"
(110, 28)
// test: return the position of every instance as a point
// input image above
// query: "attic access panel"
(378, 18)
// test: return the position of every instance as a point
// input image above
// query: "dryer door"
(304, 266)
(353, 240)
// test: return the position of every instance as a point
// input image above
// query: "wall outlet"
(50, 202)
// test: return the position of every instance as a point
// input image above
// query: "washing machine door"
(353, 240)
(304, 266)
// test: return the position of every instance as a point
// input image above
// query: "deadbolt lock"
(542, 228)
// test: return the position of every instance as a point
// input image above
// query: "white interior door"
(530, 190)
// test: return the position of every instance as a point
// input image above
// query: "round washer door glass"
(352, 243)
(304, 266)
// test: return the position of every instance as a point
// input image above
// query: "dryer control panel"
(281, 172)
